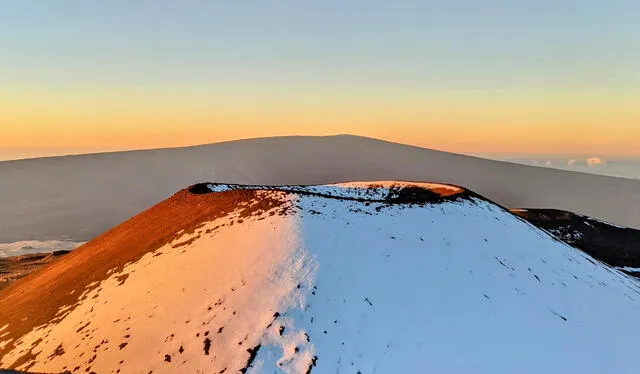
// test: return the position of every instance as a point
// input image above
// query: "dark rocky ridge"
(613, 245)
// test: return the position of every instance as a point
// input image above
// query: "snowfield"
(381, 277)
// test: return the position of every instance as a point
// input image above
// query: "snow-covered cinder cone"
(375, 277)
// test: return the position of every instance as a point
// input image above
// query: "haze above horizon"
(541, 77)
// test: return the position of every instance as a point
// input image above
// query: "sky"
(464, 76)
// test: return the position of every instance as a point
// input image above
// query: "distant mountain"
(385, 277)
(79, 197)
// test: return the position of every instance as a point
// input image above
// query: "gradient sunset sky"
(465, 76)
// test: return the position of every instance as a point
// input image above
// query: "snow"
(352, 285)
(567, 234)
(36, 246)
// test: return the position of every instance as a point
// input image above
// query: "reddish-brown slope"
(41, 294)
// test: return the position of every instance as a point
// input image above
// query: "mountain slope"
(79, 197)
(390, 277)
(614, 245)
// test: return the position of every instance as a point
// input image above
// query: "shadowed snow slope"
(79, 197)
(387, 278)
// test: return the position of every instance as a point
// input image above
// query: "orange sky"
(458, 121)
(502, 77)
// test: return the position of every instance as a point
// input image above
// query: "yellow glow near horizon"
(457, 121)
(518, 77)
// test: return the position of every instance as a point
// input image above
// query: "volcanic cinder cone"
(385, 277)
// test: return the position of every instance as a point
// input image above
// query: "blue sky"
(436, 45)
